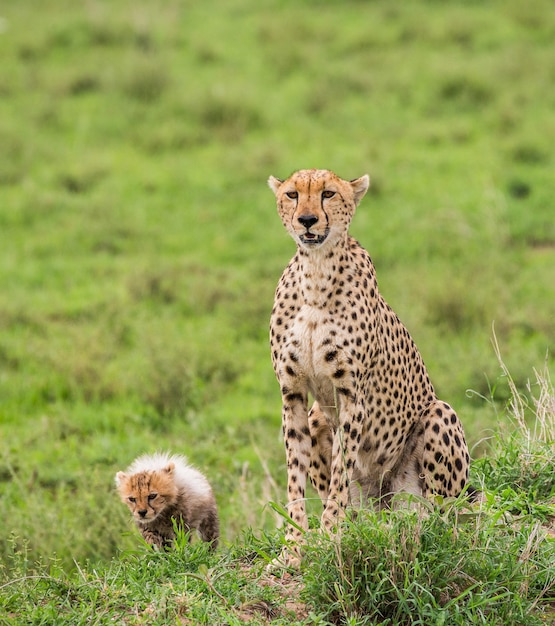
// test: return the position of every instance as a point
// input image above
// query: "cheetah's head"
(316, 206)
(148, 493)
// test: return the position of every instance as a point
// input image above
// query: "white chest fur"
(308, 331)
(309, 341)
(316, 347)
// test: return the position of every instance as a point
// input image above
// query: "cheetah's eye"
(152, 496)
(132, 499)
(292, 194)
(327, 193)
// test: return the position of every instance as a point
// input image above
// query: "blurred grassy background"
(140, 246)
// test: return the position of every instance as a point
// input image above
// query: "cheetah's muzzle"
(312, 239)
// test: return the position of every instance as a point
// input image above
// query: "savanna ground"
(139, 252)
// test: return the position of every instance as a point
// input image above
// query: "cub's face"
(316, 206)
(147, 493)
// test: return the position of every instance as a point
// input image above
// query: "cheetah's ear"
(360, 187)
(169, 468)
(120, 477)
(274, 183)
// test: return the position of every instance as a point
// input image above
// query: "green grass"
(441, 569)
(140, 246)
(440, 562)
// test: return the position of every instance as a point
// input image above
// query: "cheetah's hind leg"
(445, 460)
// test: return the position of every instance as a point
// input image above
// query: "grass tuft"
(450, 566)
(520, 466)
(145, 81)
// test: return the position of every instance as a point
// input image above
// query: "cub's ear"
(169, 468)
(360, 187)
(274, 183)
(120, 477)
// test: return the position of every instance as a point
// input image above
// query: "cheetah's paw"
(289, 559)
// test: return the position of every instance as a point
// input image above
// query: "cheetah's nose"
(307, 220)
(143, 512)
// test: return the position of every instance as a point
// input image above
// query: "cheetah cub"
(376, 427)
(161, 488)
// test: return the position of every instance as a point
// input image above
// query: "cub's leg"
(445, 458)
(209, 528)
(155, 539)
(320, 453)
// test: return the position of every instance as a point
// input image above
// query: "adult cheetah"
(376, 427)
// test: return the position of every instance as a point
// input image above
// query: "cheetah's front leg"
(297, 439)
(321, 436)
(346, 442)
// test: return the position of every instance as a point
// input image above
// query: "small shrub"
(519, 188)
(465, 92)
(227, 118)
(145, 82)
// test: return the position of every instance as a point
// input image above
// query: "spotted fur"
(376, 427)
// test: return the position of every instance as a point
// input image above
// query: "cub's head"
(148, 493)
(316, 206)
